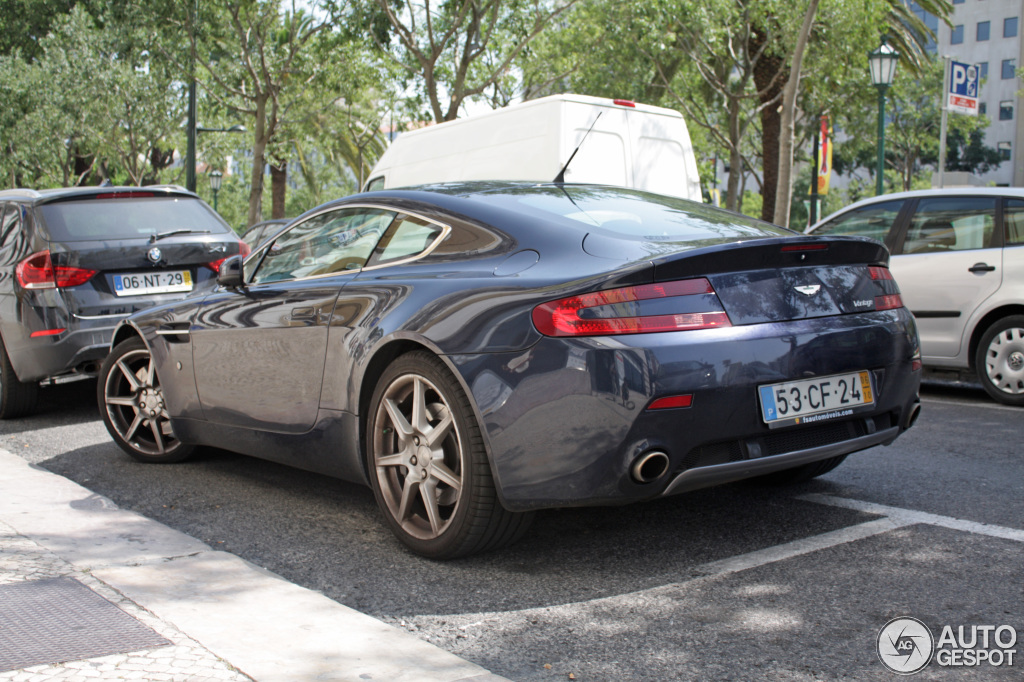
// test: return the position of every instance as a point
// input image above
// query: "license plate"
(164, 282)
(818, 399)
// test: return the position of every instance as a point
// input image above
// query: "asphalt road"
(739, 582)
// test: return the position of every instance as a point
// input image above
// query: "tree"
(258, 63)
(23, 23)
(458, 49)
(913, 130)
(907, 32)
(107, 109)
(784, 191)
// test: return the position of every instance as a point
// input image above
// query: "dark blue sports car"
(478, 351)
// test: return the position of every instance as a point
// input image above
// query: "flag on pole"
(824, 157)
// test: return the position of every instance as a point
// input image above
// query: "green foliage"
(913, 126)
(93, 104)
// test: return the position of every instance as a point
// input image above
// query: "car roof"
(43, 196)
(1016, 192)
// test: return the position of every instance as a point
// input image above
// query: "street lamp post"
(883, 68)
(216, 177)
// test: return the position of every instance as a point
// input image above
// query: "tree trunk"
(733, 200)
(770, 88)
(784, 192)
(278, 187)
(259, 153)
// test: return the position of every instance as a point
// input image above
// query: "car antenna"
(560, 178)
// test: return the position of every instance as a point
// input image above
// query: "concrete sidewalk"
(92, 592)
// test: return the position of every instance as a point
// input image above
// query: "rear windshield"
(99, 219)
(630, 214)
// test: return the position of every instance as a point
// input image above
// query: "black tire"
(17, 398)
(428, 466)
(999, 360)
(132, 405)
(802, 473)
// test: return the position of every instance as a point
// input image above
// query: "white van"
(631, 145)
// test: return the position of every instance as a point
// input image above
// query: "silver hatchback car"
(958, 257)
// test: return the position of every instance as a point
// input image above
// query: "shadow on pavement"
(327, 535)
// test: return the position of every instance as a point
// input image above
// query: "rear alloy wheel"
(132, 405)
(17, 398)
(428, 467)
(1000, 360)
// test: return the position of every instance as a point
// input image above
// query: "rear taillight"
(891, 299)
(38, 272)
(243, 251)
(668, 306)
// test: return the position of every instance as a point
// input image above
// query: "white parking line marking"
(906, 517)
(963, 403)
(797, 547)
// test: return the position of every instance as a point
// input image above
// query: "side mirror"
(230, 274)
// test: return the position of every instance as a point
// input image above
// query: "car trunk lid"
(778, 280)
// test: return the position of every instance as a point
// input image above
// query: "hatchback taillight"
(890, 299)
(38, 272)
(664, 307)
(243, 251)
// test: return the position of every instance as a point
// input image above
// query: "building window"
(982, 71)
(1006, 110)
(958, 2)
(982, 108)
(1010, 27)
(1009, 68)
(983, 30)
(1004, 150)
(958, 35)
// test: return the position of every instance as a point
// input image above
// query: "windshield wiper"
(157, 237)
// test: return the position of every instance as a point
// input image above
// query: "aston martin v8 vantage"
(474, 352)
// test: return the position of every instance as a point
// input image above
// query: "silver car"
(958, 256)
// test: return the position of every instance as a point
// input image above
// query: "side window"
(327, 243)
(1013, 218)
(951, 224)
(11, 236)
(375, 184)
(408, 237)
(873, 221)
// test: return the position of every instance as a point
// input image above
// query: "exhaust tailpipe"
(649, 467)
(915, 412)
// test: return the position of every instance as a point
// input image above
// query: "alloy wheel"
(418, 455)
(135, 405)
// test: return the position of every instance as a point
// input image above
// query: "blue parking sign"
(962, 97)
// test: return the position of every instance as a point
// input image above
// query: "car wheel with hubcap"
(17, 398)
(132, 405)
(999, 361)
(427, 464)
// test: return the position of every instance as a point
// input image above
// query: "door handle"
(314, 315)
(981, 267)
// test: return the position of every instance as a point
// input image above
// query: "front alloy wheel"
(1000, 360)
(132, 405)
(428, 467)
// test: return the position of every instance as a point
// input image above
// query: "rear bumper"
(566, 420)
(85, 339)
(77, 350)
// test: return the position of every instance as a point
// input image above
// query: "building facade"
(988, 33)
